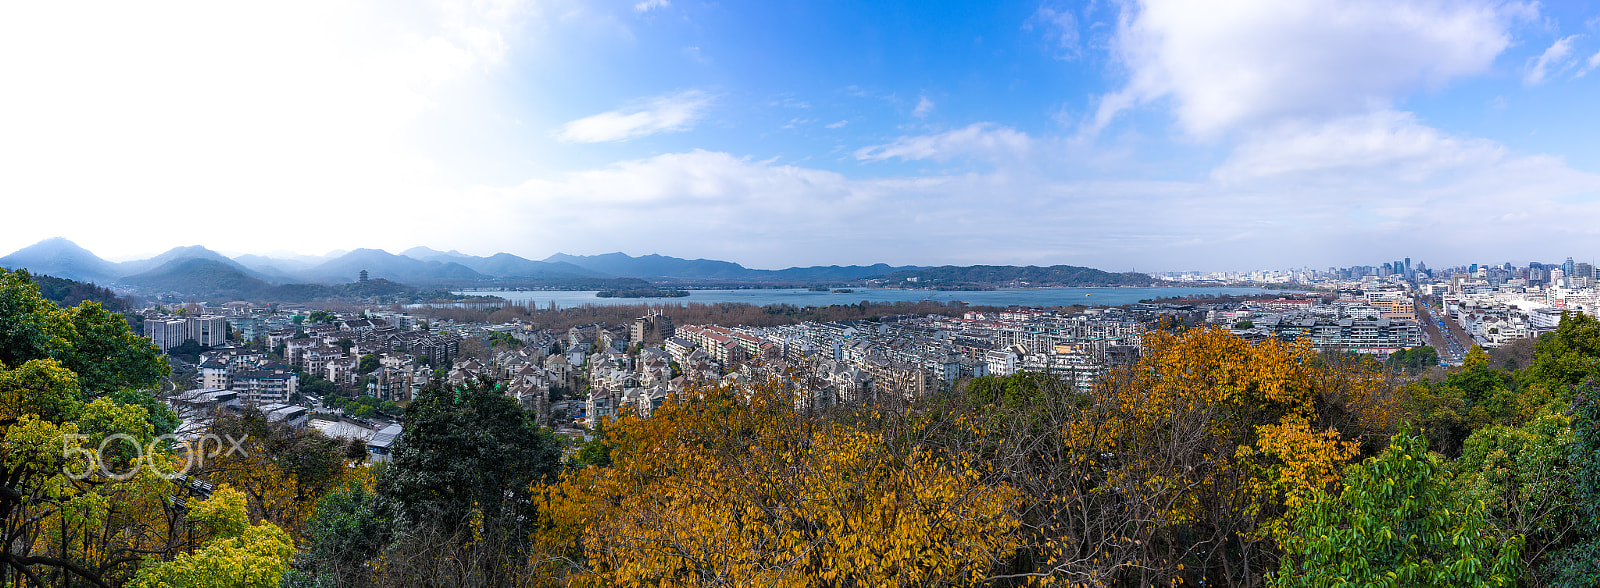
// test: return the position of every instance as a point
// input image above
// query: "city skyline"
(789, 134)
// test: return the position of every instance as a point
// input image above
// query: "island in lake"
(642, 293)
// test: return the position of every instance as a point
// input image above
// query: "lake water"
(801, 297)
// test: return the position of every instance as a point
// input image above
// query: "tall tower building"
(1566, 268)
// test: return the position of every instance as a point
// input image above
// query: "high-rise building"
(1583, 270)
(166, 332)
(1566, 268)
(208, 330)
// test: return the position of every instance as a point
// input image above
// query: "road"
(1443, 333)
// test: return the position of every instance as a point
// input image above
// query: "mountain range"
(418, 265)
(197, 270)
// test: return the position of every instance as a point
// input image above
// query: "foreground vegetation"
(1209, 462)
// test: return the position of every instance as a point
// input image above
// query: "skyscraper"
(1566, 268)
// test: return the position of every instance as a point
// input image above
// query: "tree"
(1566, 356)
(733, 486)
(389, 408)
(240, 555)
(314, 385)
(69, 508)
(369, 363)
(1579, 563)
(1522, 478)
(1394, 524)
(280, 469)
(350, 529)
(459, 475)
(190, 350)
(345, 344)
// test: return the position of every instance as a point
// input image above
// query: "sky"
(1148, 136)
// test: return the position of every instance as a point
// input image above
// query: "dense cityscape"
(665, 293)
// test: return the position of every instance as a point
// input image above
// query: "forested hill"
(206, 279)
(72, 293)
(1029, 276)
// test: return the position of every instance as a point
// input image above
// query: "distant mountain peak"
(60, 257)
(429, 253)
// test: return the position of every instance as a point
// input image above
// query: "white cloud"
(1356, 147)
(1232, 64)
(648, 5)
(1060, 28)
(980, 140)
(668, 113)
(1594, 61)
(837, 125)
(1287, 217)
(300, 103)
(924, 107)
(1554, 60)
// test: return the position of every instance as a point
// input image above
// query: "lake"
(802, 297)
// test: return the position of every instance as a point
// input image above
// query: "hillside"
(62, 258)
(205, 279)
(129, 268)
(653, 266)
(1064, 276)
(834, 273)
(202, 278)
(506, 265)
(382, 264)
(675, 268)
(67, 292)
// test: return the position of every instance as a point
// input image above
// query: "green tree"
(1567, 355)
(464, 449)
(87, 524)
(345, 344)
(369, 363)
(349, 529)
(390, 409)
(1579, 564)
(312, 384)
(1489, 393)
(1394, 524)
(1522, 477)
(465, 461)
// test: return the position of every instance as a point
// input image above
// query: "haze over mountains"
(196, 271)
(418, 265)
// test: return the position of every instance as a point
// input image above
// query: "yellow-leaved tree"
(1201, 452)
(732, 485)
(237, 555)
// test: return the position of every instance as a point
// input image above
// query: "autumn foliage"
(731, 485)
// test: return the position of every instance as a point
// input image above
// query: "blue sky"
(1148, 135)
